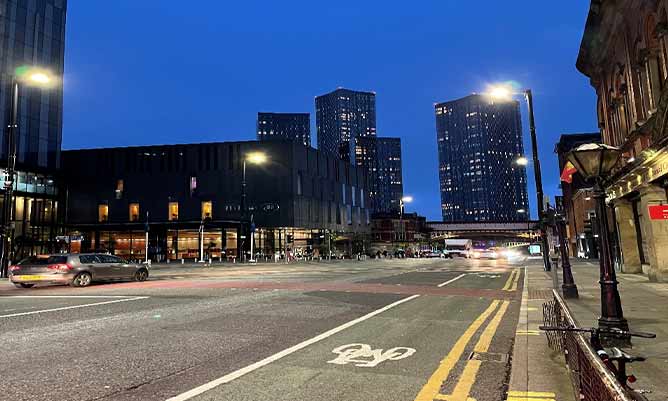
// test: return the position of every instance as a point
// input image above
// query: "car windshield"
(43, 260)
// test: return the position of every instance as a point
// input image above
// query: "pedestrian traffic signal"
(290, 238)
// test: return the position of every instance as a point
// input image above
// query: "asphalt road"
(391, 330)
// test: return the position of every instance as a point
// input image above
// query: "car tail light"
(14, 268)
(63, 267)
(631, 379)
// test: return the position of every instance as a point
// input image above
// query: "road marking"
(511, 284)
(451, 281)
(433, 386)
(527, 332)
(509, 281)
(361, 355)
(73, 307)
(66, 296)
(467, 379)
(266, 361)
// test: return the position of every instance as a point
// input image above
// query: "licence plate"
(31, 278)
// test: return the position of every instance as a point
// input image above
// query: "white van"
(458, 247)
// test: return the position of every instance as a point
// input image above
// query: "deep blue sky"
(166, 71)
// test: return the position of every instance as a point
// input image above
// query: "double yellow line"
(431, 390)
(530, 396)
(511, 284)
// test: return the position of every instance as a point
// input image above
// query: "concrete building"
(32, 34)
(281, 126)
(479, 143)
(624, 52)
(578, 202)
(295, 199)
(384, 155)
(391, 232)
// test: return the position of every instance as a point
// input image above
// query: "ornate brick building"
(624, 51)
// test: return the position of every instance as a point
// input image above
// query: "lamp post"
(28, 76)
(568, 287)
(504, 92)
(402, 203)
(595, 161)
(256, 158)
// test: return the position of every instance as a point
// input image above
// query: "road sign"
(658, 212)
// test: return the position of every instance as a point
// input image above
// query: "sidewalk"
(538, 373)
(645, 307)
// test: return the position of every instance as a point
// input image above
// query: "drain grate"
(489, 357)
(540, 293)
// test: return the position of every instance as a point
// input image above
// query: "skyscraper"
(479, 142)
(292, 126)
(389, 188)
(32, 34)
(342, 117)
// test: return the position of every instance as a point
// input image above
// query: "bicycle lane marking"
(266, 361)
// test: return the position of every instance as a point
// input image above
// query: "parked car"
(77, 270)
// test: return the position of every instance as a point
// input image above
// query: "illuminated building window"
(134, 212)
(173, 211)
(207, 210)
(103, 213)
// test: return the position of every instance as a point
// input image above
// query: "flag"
(567, 173)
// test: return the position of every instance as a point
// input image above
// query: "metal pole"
(201, 241)
(243, 210)
(146, 241)
(8, 204)
(539, 180)
(612, 315)
(568, 288)
(252, 243)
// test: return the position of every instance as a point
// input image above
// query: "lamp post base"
(570, 291)
(612, 323)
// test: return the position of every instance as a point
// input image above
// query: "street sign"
(658, 212)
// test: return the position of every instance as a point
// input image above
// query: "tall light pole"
(256, 158)
(28, 76)
(402, 203)
(504, 92)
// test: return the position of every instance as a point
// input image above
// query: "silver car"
(78, 270)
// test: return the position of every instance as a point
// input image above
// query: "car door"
(94, 265)
(114, 266)
(125, 270)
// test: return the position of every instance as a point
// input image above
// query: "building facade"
(32, 34)
(624, 52)
(578, 203)
(176, 192)
(479, 143)
(391, 232)
(281, 126)
(389, 175)
(344, 120)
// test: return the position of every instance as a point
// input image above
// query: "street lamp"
(505, 92)
(522, 161)
(402, 202)
(595, 161)
(256, 158)
(28, 76)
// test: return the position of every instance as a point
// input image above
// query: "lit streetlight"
(28, 76)
(256, 158)
(522, 161)
(505, 92)
(402, 202)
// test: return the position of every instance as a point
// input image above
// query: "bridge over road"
(516, 231)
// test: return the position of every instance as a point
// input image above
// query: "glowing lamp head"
(501, 93)
(521, 211)
(256, 158)
(407, 199)
(522, 161)
(35, 76)
(40, 78)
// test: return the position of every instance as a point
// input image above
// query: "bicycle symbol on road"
(361, 355)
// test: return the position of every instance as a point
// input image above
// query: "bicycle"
(615, 355)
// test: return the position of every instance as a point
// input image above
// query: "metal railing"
(592, 381)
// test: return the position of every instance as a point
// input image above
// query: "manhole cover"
(489, 357)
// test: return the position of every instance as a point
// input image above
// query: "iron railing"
(592, 380)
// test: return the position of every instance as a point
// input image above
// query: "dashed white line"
(73, 307)
(257, 365)
(453, 280)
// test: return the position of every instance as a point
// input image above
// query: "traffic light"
(290, 238)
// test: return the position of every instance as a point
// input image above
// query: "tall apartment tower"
(343, 117)
(479, 142)
(32, 34)
(291, 126)
(389, 188)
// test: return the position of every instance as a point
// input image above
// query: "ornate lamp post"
(595, 161)
(568, 287)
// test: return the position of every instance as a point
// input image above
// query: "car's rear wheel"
(82, 280)
(24, 285)
(141, 275)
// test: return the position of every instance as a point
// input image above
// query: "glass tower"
(479, 142)
(291, 126)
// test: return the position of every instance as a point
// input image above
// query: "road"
(391, 330)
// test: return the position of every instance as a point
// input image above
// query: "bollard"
(183, 261)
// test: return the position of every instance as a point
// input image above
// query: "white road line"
(250, 368)
(451, 281)
(66, 296)
(73, 307)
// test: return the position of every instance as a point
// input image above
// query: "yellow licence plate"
(31, 278)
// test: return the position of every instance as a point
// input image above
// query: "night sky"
(142, 72)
